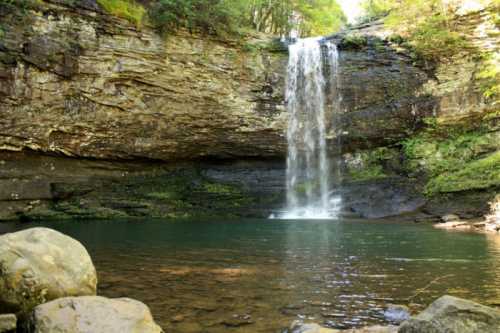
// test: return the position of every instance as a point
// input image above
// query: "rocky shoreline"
(447, 314)
(490, 223)
(48, 283)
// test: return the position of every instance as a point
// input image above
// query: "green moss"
(369, 173)
(372, 164)
(273, 46)
(479, 174)
(435, 155)
(454, 160)
(162, 195)
(127, 9)
(217, 188)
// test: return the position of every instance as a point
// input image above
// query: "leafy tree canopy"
(280, 17)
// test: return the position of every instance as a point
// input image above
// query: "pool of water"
(260, 275)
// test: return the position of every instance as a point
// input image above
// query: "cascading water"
(311, 76)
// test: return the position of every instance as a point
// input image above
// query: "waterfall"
(311, 83)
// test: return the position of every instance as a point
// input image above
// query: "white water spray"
(312, 72)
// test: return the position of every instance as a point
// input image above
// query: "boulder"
(454, 315)
(93, 314)
(39, 265)
(8, 323)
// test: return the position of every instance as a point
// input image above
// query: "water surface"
(260, 275)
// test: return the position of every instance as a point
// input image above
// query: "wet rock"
(177, 318)
(299, 327)
(93, 314)
(374, 329)
(454, 225)
(450, 218)
(380, 198)
(396, 313)
(238, 320)
(454, 315)
(333, 315)
(40, 264)
(8, 323)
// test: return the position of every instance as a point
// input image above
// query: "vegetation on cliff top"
(222, 17)
(126, 9)
(432, 30)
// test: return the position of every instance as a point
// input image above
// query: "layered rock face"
(81, 83)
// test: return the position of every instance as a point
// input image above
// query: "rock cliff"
(78, 82)
(81, 83)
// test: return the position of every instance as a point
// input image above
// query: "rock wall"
(81, 83)
(78, 82)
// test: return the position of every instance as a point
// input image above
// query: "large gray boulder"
(93, 314)
(39, 265)
(454, 315)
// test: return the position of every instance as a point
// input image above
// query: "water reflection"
(258, 276)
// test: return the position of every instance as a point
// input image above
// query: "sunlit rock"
(492, 222)
(93, 314)
(299, 327)
(39, 265)
(454, 315)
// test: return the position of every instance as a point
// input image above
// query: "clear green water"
(260, 275)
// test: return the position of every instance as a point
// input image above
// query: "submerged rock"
(299, 327)
(397, 313)
(454, 315)
(39, 265)
(93, 314)
(8, 323)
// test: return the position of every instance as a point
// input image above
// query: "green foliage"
(425, 25)
(319, 17)
(375, 9)
(371, 164)
(353, 41)
(489, 75)
(370, 172)
(434, 40)
(280, 17)
(478, 174)
(127, 9)
(211, 16)
(22, 4)
(455, 161)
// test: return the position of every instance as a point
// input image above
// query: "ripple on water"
(259, 276)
